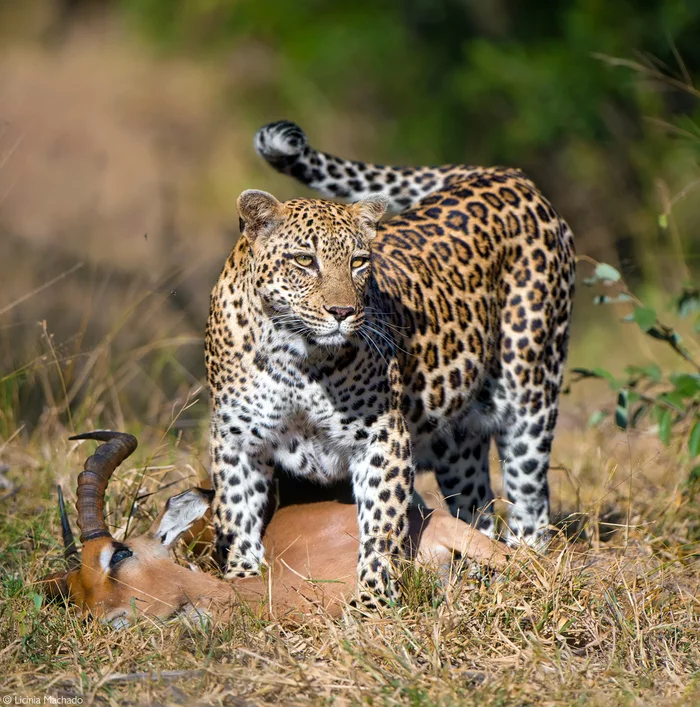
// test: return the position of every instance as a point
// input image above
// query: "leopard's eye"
(359, 261)
(304, 260)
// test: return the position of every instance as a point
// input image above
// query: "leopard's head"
(311, 262)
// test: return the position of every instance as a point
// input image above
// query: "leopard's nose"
(340, 313)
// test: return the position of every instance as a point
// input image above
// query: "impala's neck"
(276, 594)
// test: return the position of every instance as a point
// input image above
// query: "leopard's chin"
(337, 338)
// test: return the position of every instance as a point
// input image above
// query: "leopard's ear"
(260, 212)
(368, 212)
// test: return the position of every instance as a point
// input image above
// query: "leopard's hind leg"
(524, 447)
(461, 463)
(533, 345)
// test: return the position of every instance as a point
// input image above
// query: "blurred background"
(126, 134)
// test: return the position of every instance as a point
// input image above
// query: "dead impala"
(312, 551)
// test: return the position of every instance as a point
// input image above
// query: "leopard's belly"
(303, 449)
(317, 442)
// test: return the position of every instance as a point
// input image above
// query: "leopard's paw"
(242, 567)
(376, 590)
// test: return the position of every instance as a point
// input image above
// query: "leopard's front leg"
(382, 477)
(241, 478)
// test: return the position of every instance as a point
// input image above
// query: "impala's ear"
(259, 212)
(181, 513)
(368, 212)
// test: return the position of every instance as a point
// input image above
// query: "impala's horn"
(92, 483)
(70, 551)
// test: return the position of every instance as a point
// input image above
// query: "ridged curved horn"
(70, 551)
(92, 483)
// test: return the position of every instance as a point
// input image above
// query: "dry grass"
(610, 616)
(615, 621)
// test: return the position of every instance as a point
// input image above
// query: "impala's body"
(311, 553)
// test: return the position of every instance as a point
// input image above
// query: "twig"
(162, 676)
(41, 288)
(11, 493)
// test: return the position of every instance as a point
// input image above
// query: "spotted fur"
(338, 346)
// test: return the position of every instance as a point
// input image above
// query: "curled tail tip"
(280, 141)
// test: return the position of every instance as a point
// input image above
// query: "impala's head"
(114, 579)
(311, 261)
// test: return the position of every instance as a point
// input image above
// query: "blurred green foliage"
(596, 100)
(524, 83)
(500, 79)
(668, 397)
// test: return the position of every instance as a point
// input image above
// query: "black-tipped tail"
(285, 147)
(280, 143)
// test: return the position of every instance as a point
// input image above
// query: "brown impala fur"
(305, 543)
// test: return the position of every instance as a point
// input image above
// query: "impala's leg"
(241, 483)
(461, 463)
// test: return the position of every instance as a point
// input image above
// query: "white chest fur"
(304, 429)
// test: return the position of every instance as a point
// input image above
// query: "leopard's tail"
(285, 146)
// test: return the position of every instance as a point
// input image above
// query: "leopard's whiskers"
(387, 338)
(369, 340)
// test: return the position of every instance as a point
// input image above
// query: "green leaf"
(694, 475)
(694, 440)
(654, 372)
(663, 221)
(597, 417)
(622, 409)
(607, 272)
(616, 299)
(599, 373)
(645, 317)
(651, 371)
(686, 384)
(665, 427)
(674, 399)
(590, 372)
(688, 301)
(603, 273)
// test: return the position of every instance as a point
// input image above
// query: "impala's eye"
(359, 261)
(304, 260)
(122, 553)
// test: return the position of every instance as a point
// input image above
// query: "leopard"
(398, 324)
